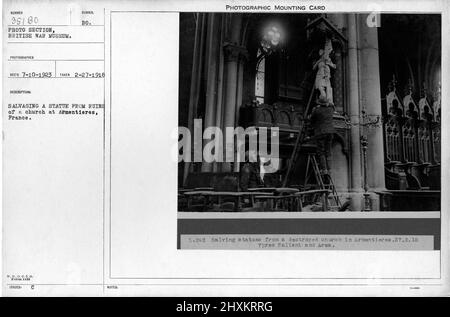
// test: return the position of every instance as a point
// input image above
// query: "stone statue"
(323, 76)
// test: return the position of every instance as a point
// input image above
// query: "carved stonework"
(411, 108)
(234, 53)
(393, 104)
(342, 134)
(437, 105)
(411, 139)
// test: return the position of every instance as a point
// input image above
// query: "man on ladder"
(322, 123)
(322, 115)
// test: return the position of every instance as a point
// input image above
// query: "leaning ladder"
(334, 203)
(298, 142)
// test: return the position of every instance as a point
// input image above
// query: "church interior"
(355, 99)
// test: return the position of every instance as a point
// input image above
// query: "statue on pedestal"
(323, 75)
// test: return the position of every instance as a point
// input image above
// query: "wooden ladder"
(335, 201)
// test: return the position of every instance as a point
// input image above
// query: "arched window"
(260, 77)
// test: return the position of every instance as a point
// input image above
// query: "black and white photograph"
(349, 103)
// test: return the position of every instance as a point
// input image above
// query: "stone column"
(232, 56)
(220, 83)
(212, 48)
(371, 103)
(354, 113)
(197, 68)
(240, 84)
